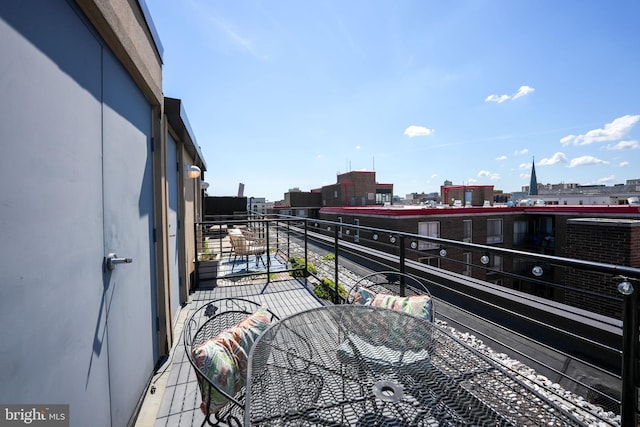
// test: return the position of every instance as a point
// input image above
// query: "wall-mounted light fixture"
(537, 271)
(192, 171)
(443, 252)
(625, 287)
(204, 185)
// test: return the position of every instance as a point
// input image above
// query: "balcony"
(582, 360)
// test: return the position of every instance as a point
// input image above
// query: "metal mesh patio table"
(351, 365)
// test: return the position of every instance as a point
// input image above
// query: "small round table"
(351, 365)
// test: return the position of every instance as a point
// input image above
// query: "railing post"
(197, 264)
(220, 239)
(288, 239)
(336, 245)
(268, 249)
(306, 248)
(629, 353)
(402, 266)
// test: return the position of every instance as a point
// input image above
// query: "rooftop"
(173, 398)
(405, 210)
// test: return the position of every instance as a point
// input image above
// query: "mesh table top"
(351, 365)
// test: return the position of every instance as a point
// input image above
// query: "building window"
(520, 230)
(382, 198)
(468, 197)
(431, 229)
(466, 259)
(432, 261)
(356, 233)
(494, 230)
(521, 265)
(467, 230)
(496, 262)
(335, 194)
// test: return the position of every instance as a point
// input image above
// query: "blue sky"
(284, 94)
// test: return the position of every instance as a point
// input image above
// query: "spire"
(533, 185)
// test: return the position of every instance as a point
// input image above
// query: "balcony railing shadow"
(528, 306)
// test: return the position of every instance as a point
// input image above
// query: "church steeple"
(533, 185)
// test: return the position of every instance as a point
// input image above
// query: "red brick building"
(608, 234)
(357, 188)
(467, 195)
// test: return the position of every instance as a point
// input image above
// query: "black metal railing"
(527, 296)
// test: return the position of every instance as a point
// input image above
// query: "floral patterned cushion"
(419, 306)
(363, 296)
(224, 358)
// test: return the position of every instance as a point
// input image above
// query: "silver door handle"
(112, 260)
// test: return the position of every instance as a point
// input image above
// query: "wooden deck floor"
(176, 400)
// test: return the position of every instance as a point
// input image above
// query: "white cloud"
(501, 158)
(495, 98)
(492, 176)
(556, 158)
(520, 152)
(522, 91)
(472, 181)
(524, 166)
(606, 179)
(525, 175)
(585, 161)
(567, 140)
(616, 130)
(357, 147)
(624, 164)
(412, 131)
(624, 145)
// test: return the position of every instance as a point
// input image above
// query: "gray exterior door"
(75, 185)
(130, 297)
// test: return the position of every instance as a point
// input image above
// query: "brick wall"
(610, 241)
(605, 240)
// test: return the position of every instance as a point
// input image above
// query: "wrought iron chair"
(390, 282)
(206, 323)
